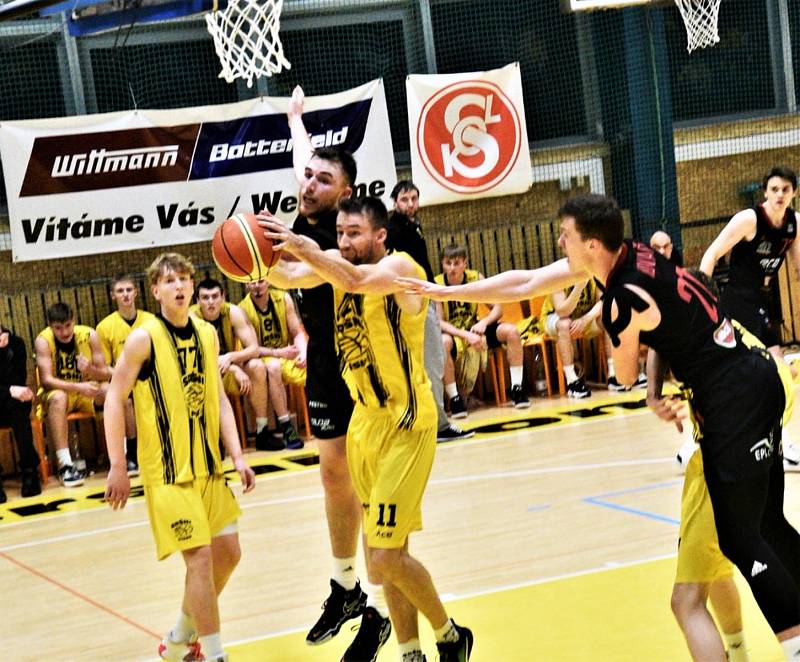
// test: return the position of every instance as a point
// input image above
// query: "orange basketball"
(241, 250)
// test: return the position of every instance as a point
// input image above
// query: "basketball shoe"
(373, 633)
(578, 389)
(614, 385)
(290, 437)
(456, 651)
(71, 476)
(519, 398)
(457, 407)
(133, 468)
(450, 433)
(341, 606)
(179, 651)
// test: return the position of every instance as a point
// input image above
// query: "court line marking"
(452, 597)
(78, 594)
(499, 475)
(599, 500)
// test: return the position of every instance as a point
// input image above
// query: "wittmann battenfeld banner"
(468, 135)
(121, 181)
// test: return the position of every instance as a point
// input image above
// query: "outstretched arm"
(302, 149)
(505, 287)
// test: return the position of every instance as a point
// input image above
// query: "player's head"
(210, 297)
(329, 177)
(780, 185)
(124, 290)
(258, 289)
(361, 229)
(61, 319)
(661, 243)
(170, 277)
(406, 197)
(454, 263)
(590, 224)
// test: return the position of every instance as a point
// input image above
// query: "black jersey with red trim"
(754, 263)
(315, 304)
(694, 336)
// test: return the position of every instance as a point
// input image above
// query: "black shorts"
(491, 339)
(751, 309)
(739, 415)
(329, 403)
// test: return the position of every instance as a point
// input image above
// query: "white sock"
(451, 390)
(284, 419)
(569, 373)
(211, 645)
(63, 457)
(516, 375)
(184, 628)
(791, 648)
(344, 572)
(377, 600)
(610, 364)
(410, 646)
(447, 632)
(261, 423)
(734, 645)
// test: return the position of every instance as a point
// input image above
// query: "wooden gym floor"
(552, 534)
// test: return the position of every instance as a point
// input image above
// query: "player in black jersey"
(325, 177)
(736, 391)
(758, 239)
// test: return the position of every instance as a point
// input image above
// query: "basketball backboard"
(590, 5)
(90, 16)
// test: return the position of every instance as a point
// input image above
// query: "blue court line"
(598, 501)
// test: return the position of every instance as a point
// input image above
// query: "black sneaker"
(578, 389)
(71, 476)
(31, 486)
(451, 433)
(519, 398)
(341, 606)
(456, 651)
(641, 381)
(291, 438)
(614, 385)
(414, 656)
(267, 441)
(133, 469)
(373, 633)
(457, 407)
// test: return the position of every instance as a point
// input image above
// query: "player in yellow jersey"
(72, 370)
(462, 328)
(391, 438)
(113, 331)
(242, 371)
(170, 363)
(283, 349)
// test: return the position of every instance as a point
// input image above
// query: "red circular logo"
(469, 136)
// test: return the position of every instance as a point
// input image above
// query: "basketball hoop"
(246, 39)
(700, 18)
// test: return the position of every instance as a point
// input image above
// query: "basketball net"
(246, 39)
(700, 18)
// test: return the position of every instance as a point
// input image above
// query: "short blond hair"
(169, 262)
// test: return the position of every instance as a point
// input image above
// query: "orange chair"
(38, 442)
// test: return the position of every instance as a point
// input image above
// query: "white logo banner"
(468, 135)
(120, 181)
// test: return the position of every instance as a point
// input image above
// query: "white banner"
(468, 135)
(120, 181)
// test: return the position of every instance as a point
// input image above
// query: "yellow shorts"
(290, 372)
(700, 560)
(390, 470)
(75, 403)
(229, 384)
(188, 515)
